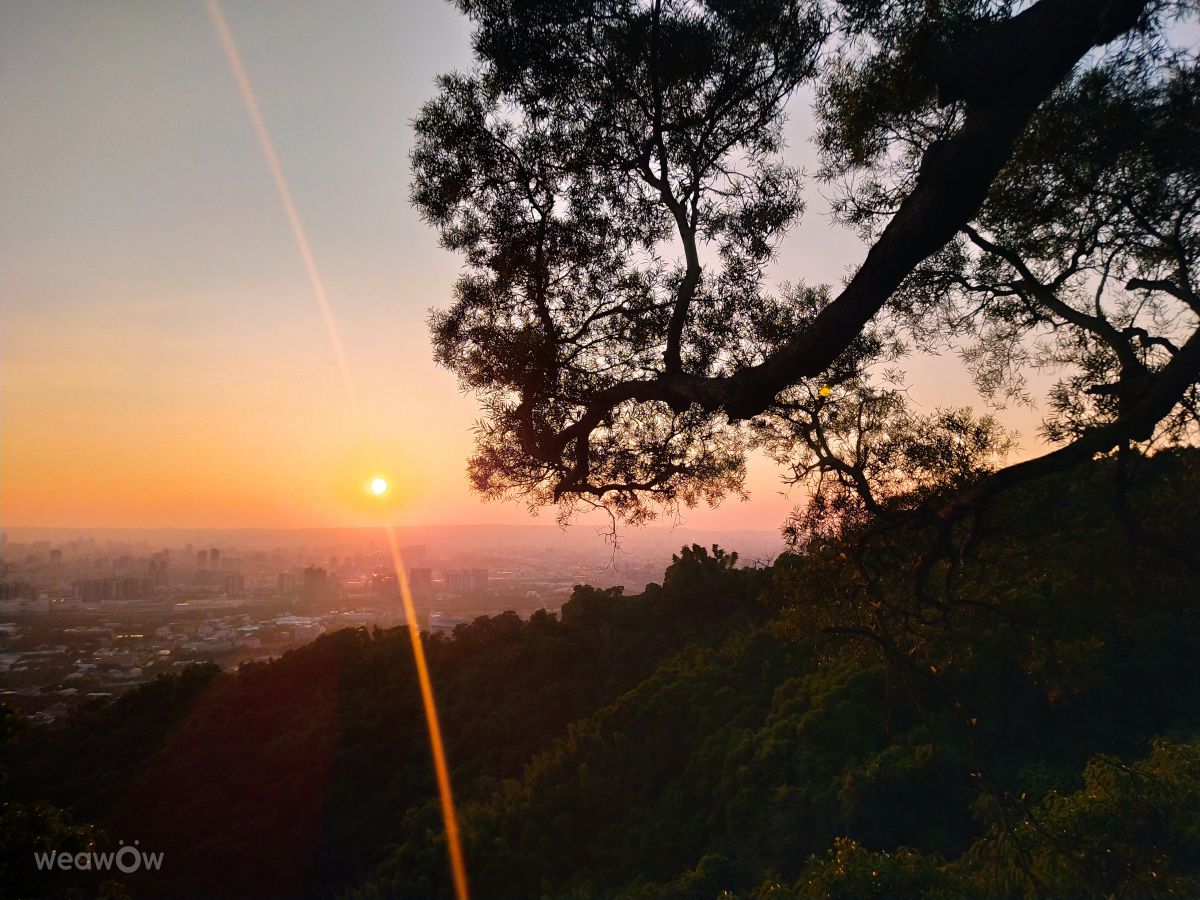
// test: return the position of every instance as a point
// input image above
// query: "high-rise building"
(420, 582)
(17, 590)
(97, 590)
(214, 558)
(202, 559)
(318, 586)
(234, 583)
(456, 581)
(466, 581)
(158, 569)
(477, 580)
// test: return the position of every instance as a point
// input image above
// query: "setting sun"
(379, 486)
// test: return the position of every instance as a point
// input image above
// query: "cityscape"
(85, 618)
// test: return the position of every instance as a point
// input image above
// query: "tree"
(28, 829)
(611, 172)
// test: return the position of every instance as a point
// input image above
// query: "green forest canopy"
(730, 733)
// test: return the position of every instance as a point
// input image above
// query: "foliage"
(1132, 830)
(28, 828)
(734, 732)
(611, 172)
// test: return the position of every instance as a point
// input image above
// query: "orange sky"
(164, 360)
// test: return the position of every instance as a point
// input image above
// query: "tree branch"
(1048, 39)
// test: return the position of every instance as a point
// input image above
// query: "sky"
(163, 361)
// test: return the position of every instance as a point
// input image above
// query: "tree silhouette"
(611, 172)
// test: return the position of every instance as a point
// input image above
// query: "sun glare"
(379, 486)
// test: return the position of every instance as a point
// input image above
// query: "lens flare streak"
(379, 486)
(449, 817)
(285, 197)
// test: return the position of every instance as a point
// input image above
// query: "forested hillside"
(862, 719)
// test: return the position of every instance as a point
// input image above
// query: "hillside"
(1022, 720)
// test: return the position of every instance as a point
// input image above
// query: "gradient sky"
(164, 361)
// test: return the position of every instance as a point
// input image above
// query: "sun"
(379, 486)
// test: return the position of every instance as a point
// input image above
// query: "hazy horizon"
(461, 538)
